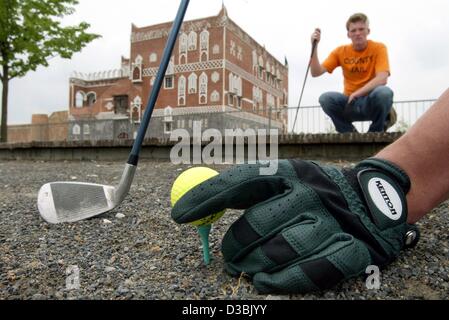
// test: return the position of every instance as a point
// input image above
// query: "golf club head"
(73, 201)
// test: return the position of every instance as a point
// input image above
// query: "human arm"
(379, 80)
(423, 153)
(310, 226)
(316, 69)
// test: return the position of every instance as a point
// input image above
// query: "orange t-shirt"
(359, 67)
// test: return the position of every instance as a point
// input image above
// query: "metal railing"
(312, 119)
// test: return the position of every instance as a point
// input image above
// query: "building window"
(183, 40)
(168, 83)
(182, 91)
(168, 120)
(91, 98)
(136, 109)
(204, 45)
(238, 102)
(239, 53)
(86, 130)
(235, 84)
(79, 99)
(136, 74)
(255, 59)
(120, 104)
(230, 99)
(183, 58)
(232, 48)
(171, 67)
(137, 69)
(204, 40)
(76, 130)
(193, 79)
(168, 127)
(192, 40)
(203, 88)
(216, 49)
(260, 73)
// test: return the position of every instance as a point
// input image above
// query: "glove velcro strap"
(389, 168)
(384, 197)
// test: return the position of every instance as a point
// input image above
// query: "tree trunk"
(4, 123)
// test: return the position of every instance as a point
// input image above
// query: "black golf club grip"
(134, 155)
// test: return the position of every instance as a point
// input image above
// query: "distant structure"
(217, 74)
(42, 128)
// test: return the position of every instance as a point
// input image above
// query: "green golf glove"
(309, 226)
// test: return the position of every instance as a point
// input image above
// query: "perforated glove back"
(309, 226)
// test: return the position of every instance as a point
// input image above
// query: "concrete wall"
(321, 147)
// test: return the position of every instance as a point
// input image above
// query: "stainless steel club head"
(70, 201)
(73, 201)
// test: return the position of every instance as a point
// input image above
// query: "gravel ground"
(137, 252)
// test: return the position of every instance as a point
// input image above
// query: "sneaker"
(392, 117)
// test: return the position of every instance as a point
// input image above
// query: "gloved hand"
(309, 226)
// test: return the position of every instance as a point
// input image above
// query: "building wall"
(42, 128)
(58, 126)
(229, 55)
(19, 133)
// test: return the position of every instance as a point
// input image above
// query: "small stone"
(106, 221)
(120, 216)
(122, 290)
(109, 269)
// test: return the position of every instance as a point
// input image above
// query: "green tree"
(31, 33)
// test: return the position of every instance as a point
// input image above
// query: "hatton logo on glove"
(385, 197)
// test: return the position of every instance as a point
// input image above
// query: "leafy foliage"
(31, 33)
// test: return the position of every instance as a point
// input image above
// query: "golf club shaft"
(304, 84)
(134, 155)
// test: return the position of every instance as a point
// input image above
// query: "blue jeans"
(373, 107)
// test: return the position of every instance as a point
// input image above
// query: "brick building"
(218, 74)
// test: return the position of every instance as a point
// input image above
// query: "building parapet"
(101, 75)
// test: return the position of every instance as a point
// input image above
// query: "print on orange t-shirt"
(359, 67)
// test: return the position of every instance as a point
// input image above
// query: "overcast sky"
(416, 33)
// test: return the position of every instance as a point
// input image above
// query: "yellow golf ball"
(186, 181)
